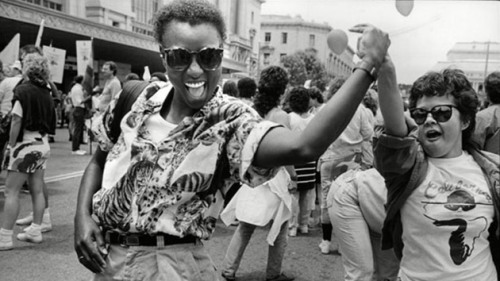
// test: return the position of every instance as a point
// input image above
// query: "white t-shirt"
(445, 224)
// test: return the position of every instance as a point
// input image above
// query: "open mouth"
(196, 89)
(432, 134)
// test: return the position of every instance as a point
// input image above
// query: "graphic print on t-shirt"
(455, 206)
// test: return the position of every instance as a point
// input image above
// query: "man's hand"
(372, 45)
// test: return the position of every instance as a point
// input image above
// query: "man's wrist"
(367, 67)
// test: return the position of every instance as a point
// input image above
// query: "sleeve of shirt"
(101, 127)
(241, 150)
(17, 109)
(395, 157)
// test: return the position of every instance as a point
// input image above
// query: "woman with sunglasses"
(156, 192)
(443, 194)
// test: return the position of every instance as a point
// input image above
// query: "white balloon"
(404, 7)
(337, 41)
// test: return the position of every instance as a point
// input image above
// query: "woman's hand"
(89, 243)
(372, 45)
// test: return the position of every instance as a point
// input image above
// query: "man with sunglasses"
(428, 160)
(157, 191)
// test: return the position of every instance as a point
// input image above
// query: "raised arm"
(391, 103)
(282, 147)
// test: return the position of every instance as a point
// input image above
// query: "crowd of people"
(408, 192)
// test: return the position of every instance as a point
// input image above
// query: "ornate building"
(285, 35)
(122, 31)
(476, 59)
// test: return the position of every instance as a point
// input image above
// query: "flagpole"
(39, 35)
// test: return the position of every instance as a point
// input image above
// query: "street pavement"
(55, 259)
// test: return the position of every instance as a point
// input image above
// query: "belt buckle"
(131, 240)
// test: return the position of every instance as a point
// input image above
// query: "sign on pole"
(83, 55)
(56, 59)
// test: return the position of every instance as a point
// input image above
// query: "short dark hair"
(315, 94)
(246, 87)
(160, 75)
(112, 66)
(449, 82)
(78, 79)
(194, 12)
(272, 85)
(298, 100)
(492, 87)
(229, 88)
(132, 76)
(29, 49)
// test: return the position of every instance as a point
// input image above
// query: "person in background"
(33, 117)
(158, 187)
(316, 101)
(46, 220)
(344, 154)
(229, 88)
(112, 85)
(78, 99)
(275, 203)
(443, 204)
(303, 197)
(6, 93)
(487, 132)
(246, 90)
(158, 76)
(355, 204)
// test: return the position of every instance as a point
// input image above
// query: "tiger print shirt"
(166, 186)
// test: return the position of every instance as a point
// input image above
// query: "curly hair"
(298, 100)
(272, 85)
(334, 87)
(36, 68)
(315, 94)
(246, 87)
(449, 82)
(194, 12)
(492, 87)
(229, 88)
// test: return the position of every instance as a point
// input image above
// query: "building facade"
(122, 32)
(476, 59)
(285, 35)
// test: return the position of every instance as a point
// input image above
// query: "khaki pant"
(181, 262)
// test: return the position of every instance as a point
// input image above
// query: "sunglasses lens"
(210, 59)
(418, 115)
(178, 58)
(441, 113)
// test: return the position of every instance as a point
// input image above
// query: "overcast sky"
(419, 40)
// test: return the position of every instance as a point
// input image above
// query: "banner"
(11, 52)
(56, 59)
(40, 33)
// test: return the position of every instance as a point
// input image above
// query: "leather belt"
(138, 239)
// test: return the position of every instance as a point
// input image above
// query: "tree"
(303, 66)
(296, 68)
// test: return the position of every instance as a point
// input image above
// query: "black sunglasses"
(180, 59)
(440, 113)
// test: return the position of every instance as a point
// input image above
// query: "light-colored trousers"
(356, 207)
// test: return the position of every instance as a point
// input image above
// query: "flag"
(39, 35)
(11, 52)
(146, 76)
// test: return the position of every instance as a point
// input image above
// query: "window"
(312, 40)
(266, 58)
(252, 18)
(282, 55)
(267, 37)
(115, 24)
(284, 37)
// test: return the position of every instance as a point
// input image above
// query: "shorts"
(27, 156)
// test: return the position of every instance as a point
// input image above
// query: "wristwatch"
(368, 68)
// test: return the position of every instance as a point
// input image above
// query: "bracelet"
(367, 67)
